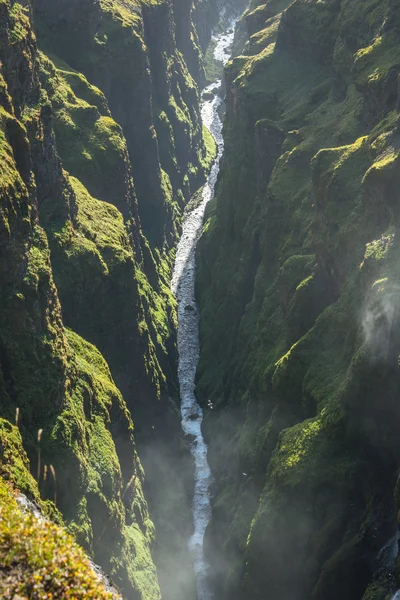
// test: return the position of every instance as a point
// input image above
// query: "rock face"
(101, 145)
(298, 285)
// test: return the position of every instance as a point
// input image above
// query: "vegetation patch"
(41, 560)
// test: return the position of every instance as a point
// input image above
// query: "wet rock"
(208, 95)
(194, 417)
(189, 308)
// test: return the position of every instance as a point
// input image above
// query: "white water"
(387, 555)
(388, 552)
(183, 286)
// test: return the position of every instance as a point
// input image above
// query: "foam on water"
(183, 286)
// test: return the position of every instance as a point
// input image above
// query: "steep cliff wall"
(298, 285)
(81, 172)
(59, 383)
(128, 50)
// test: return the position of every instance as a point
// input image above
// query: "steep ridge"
(81, 173)
(299, 306)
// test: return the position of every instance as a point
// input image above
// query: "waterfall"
(183, 287)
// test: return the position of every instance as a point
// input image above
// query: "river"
(183, 287)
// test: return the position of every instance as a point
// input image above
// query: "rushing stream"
(183, 286)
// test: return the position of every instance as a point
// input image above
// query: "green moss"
(297, 447)
(381, 589)
(304, 283)
(377, 251)
(384, 161)
(210, 150)
(114, 289)
(10, 177)
(84, 456)
(101, 226)
(14, 464)
(85, 442)
(20, 24)
(40, 559)
(129, 15)
(90, 142)
(94, 256)
(372, 64)
(81, 87)
(266, 25)
(166, 136)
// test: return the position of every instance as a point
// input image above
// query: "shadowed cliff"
(298, 286)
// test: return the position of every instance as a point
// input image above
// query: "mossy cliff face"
(126, 181)
(76, 266)
(193, 40)
(58, 386)
(298, 286)
(102, 263)
(113, 283)
(128, 50)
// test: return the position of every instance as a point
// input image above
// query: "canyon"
(199, 299)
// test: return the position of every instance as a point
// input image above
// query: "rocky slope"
(298, 287)
(93, 181)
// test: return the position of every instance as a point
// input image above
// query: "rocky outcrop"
(299, 310)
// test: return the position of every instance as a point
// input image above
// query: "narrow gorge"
(183, 287)
(199, 299)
